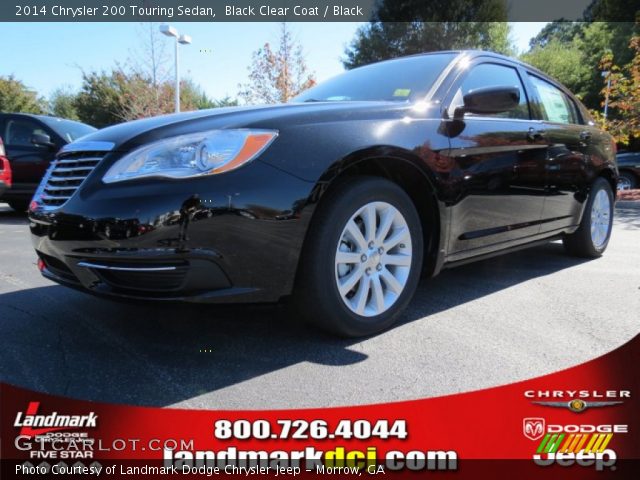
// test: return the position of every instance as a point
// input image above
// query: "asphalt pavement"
(490, 323)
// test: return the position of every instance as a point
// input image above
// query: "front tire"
(592, 237)
(362, 260)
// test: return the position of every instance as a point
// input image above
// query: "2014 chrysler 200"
(340, 199)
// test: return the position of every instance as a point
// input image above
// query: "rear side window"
(18, 133)
(556, 106)
(492, 75)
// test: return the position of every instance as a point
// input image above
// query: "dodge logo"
(533, 428)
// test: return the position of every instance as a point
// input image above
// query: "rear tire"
(590, 240)
(20, 206)
(362, 259)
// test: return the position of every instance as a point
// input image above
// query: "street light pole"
(606, 99)
(177, 80)
(170, 31)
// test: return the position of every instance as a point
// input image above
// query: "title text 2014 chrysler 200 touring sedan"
(339, 200)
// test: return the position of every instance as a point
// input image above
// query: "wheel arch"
(611, 176)
(408, 171)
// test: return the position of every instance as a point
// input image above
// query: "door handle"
(585, 136)
(535, 135)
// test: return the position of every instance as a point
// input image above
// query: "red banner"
(578, 423)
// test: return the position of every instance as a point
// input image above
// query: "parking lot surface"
(498, 321)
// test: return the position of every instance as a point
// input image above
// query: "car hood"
(131, 134)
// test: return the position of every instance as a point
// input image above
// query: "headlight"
(192, 155)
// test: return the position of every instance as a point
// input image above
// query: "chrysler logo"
(533, 428)
(577, 405)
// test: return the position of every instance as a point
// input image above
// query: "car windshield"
(68, 129)
(394, 80)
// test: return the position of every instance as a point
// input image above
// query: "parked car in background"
(5, 170)
(340, 199)
(31, 143)
(629, 170)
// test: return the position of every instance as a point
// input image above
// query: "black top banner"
(315, 10)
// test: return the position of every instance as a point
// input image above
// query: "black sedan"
(336, 202)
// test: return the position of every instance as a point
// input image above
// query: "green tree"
(434, 25)
(561, 31)
(193, 97)
(62, 103)
(112, 97)
(571, 53)
(16, 97)
(102, 99)
(612, 11)
(624, 96)
(276, 76)
(563, 61)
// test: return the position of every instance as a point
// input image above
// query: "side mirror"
(42, 140)
(489, 100)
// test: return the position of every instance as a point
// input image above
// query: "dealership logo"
(577, 405)
(584, 449)
(577, 401)
(584, 445)
(574, 443)
(533, 428)
(31, 423)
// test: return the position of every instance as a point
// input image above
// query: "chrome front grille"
(66, 175)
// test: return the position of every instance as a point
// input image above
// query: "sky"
(46, 56)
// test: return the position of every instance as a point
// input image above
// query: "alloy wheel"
(600, 219)
(373, 259)
(624, 183)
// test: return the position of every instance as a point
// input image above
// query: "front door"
(498, 178)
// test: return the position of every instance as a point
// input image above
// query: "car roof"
(30, 115)
(471, 54)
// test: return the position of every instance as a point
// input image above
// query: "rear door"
(498, 178)
(29, 162)
(572, 144)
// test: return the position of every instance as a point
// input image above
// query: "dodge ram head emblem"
(533, 428)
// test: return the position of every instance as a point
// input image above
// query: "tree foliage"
(563, 61)
(102, 98)
(16, 97)
(62, 103)
(571, 53)
(119, 95)
(151, 57)
(624, 95)
(561, 31)
(276, 76)
(477, 24)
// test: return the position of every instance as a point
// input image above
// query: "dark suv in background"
(30, 143)
(629, 170)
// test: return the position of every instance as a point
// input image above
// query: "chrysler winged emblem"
(577, 405)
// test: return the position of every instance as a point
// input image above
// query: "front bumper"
(232, 238)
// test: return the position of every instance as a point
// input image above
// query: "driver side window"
(19, 132)
(492, 75)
